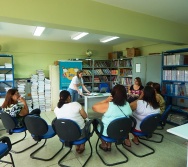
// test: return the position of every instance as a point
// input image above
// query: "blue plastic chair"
(147, 126)
(39, 130)
(5, 147)
(10, 125)
(69, 134)
(117, 132)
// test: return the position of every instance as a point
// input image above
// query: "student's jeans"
(74, 94)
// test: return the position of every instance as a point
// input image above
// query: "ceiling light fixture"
(107, 39)
(38, 31)
(79, 35)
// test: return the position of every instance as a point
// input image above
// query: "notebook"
(103, 90)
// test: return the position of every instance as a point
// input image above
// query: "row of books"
(87, 72)
(174, 59)
(101, 64)
(101, 72)
(175, 89)
(125, 63)
(175, 75)
(101, 79)
(125, 72)
(126, 81)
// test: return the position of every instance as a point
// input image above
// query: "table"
(181, 131)
(92, 99)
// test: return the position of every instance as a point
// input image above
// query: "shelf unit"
(174, 84)
(107, 71)
(6, 73)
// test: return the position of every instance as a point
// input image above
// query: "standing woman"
(77, 82)
(135, 90)
(16, 107)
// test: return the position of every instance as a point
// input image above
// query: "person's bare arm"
(133, 105)
(24, 111)
(102, 106)
(85, 88)
(83, 113)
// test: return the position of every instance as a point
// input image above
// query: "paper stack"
(8, 65)
(34, 91)
(47, 94)
(41, 77)
(21, 87)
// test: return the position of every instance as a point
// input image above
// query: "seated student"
(71, 110)
(115, 106)
(135, 90)
(150, 83)
(16, 106)
(159, 97)
(142, 108)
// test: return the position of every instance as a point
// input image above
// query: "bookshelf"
(174, 84)
(111, 72)
(6, 73)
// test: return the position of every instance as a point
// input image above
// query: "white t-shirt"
(77, 81)
(142, 111)
(70, 111)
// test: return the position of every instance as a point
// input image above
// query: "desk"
(181, 131)
(90, 100)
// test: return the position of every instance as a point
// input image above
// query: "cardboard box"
(133, 52)
(115, 55)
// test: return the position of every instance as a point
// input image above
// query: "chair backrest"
(119, 128)
(36, 125)
(67, 129)
(150, 123)
(8, 121)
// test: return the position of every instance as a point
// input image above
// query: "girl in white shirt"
(71, 110)
(77, 82)
(142, 108)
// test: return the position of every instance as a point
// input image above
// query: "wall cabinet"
(6, 73)
(175, 84)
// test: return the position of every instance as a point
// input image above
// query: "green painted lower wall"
(30, 55)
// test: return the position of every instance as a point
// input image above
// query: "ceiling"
(173, 10)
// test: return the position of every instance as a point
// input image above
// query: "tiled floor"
(171, 152)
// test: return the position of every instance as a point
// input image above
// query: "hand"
(109, 99)
(88, 92)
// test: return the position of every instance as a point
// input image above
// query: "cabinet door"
(153, 71)
(139, 68)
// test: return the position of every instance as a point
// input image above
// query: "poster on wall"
(67, 70)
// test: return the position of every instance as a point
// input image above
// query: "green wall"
(147, 47)
(30, 55)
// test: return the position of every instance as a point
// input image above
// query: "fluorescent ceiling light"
(79, 35)
(107, 39)
(38, 31)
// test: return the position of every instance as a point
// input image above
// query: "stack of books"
(47, 89)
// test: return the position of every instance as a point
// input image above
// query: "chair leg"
(89, 155)
(151, 152)
(20, 139)
(43, 159)
(7, 162)
(155, 141)
(16, 152)
(112, 164)
(60, 164)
